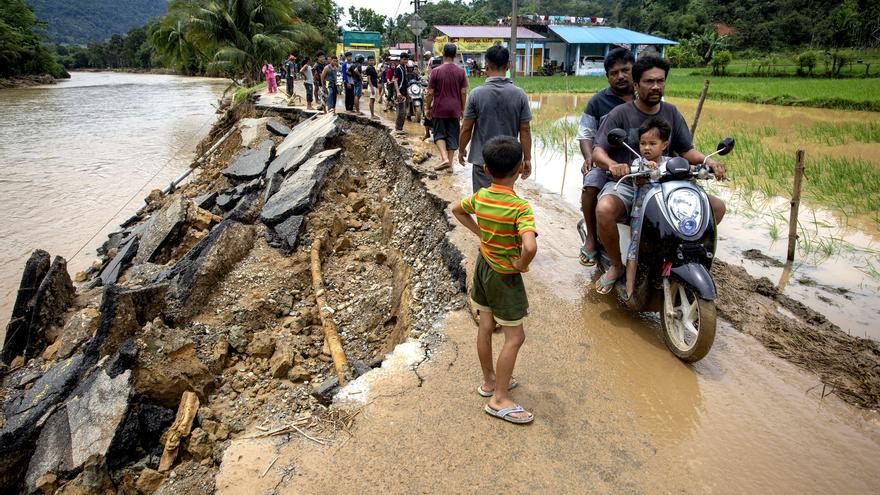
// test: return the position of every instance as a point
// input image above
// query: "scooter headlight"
(686, 210)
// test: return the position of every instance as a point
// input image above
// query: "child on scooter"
(653, 141)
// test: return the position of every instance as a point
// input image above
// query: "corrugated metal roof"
(603, 35)
(487, 32)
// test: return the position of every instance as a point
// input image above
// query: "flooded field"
(836, 269)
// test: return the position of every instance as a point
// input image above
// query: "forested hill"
(82, 21)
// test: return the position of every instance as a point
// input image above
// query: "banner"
(467, 45)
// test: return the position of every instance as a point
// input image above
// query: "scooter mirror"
(725, 146)
(616, 137)
(677, 165)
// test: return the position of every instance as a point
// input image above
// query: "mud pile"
(207, 295)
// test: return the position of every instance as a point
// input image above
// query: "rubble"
(252, 163)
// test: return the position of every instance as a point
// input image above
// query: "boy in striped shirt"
(506, 227)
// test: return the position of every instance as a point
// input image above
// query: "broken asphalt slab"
(162, 229)
(299, 192)
(303, 141)
(252, 163)
(277, 128)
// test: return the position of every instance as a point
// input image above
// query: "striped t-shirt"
(503, 217)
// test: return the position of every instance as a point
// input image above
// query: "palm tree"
(233, 36)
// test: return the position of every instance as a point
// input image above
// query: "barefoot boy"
(506, 227)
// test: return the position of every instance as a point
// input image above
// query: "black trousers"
(349, 98)
(289, 85)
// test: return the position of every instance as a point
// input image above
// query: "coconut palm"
(233, 36)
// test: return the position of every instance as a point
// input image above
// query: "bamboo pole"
(795, 204)
(699, 107)
(330, 334)
(186, 413)
(565, 166)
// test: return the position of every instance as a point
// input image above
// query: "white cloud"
(388, 8)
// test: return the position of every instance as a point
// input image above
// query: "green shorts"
(503, 295)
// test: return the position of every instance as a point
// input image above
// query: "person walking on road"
(444, 104)
(497, 108)
(505, 225)
(618, 70)
(400, 97)
(269, 73)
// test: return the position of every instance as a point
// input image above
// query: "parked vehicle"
(676, 246)
(416, 89)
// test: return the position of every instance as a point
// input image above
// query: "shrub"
(720, 61)
(682, 56)
(806, 61)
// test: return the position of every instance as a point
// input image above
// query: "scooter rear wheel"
(688, 322)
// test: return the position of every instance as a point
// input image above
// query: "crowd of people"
(490, 129)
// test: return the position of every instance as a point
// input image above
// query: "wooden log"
(186, 413)
(331, 337)
(795, 204)
(699, 108)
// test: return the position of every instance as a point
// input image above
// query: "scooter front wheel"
(688, 322)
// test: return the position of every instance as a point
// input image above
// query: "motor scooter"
(674, 227)
(416, 90)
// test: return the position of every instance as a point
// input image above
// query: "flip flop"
(603, 286)
(588, 259)
(510, 386)
(506, 412)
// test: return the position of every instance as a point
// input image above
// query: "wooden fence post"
(795, 204)
(699, 107)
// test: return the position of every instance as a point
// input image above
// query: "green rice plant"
(837, 133)
(774, 231)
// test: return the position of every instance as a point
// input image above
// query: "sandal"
(603, 286)
(588, 259)
(506, 412)
(510, 386)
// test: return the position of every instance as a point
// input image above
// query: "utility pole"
(418, 48)
(512, 45)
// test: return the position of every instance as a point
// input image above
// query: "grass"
(848, 94)
(833, 134)
(243, 92)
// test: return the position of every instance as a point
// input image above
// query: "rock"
(155, 195)
(54, 294)
(47, 483)
(289, 231)
(277, 128)
(253, 130)
(281, 362)
(326, 390)
(298, 374)
(217, 431)
(247, 210)
(78, 329)
(143, 274)
(51, 350)
(149, 481)
(94, 479)
(381, 258)
(227, 200)
(124, 256)
(237, 338)
(83, 429)
(202, 219)
(123, 313)
(197, 273)
(164, 377)
(199, 444)
(219, 356)
(17, 330)
(299, 192)
(342, 244)
(252, 163)
(97, 264)
(163, 229)
(262, 345)
(80, 277)
(303, 141)
(206, 201)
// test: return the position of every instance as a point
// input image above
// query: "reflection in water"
(71, 154)
(838, 278)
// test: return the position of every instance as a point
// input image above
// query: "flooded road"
(615, 411)
(836, 270)
(74, 153)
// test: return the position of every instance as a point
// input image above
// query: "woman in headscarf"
(269, 73)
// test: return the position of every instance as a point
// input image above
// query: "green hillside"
(82, 21)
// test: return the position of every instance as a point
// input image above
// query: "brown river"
(74, 153)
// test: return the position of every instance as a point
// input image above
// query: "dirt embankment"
(26, 81)
(849, 366)
(203, 294)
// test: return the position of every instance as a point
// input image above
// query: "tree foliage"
(84, 21)
(364, 19)
(231, 37)
(21, 52)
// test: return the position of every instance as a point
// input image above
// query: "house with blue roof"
(580, 50)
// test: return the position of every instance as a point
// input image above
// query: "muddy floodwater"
(73, 154)
(836, 268)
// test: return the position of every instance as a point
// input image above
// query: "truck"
(360, 43)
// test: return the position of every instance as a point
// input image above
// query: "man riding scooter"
(615, 203)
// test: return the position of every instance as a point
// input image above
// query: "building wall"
(555, 51)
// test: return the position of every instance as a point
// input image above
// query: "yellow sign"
(467, 45)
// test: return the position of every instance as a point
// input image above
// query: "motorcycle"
(416, 90)
(675, 231)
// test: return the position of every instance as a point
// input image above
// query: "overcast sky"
(388, 8)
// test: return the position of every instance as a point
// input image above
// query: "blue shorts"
(331, 99)
(358, 89)
(596, 177)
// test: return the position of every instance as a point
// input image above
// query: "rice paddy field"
(850, 94)
(837, 268)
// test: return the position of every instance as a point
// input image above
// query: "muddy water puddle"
(837, 265)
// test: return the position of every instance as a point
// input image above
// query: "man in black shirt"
(373, 83)
(319, 69)
(618, 70)
(649, 76)
(400, 99)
